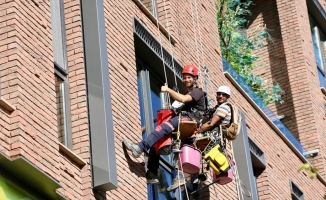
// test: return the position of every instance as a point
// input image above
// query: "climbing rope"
(185, 183)
(195, 34)
(162, 55)
(203, 60)
(171, 49)
(177, 141)
(199, 33)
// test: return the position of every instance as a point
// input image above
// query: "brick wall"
(289, 60)
(27, 82)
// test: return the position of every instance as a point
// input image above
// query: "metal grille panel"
(58, 34)
(155, 46)
(255, 149)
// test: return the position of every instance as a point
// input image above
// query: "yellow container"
(217, 160)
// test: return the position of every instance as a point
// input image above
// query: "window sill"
(323, 90)
(6, 105)
(70, 154)
(154, 20)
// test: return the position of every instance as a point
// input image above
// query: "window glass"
(165, 180)
(319, 44)
(150, 5)
(322, 44)
(155, 191)
(316, 44)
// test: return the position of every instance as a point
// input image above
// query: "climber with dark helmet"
(193, 107)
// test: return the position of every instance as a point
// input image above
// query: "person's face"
(221, 97)
(188, 80)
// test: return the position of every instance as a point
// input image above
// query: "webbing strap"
(232, 118)
(211, 160)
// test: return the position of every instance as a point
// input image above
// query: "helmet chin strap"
(194, 84)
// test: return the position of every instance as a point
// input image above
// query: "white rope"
(203, 60)
(171, 49)
(179, 184)
(194, 26)
(162, 55)
(199, 33)
(183, 175)
(167, 24)
(158, 30)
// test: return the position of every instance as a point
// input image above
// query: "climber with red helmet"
(193, 105)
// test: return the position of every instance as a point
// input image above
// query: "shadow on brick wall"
(135, 167)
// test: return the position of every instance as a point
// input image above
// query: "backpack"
(232, 131)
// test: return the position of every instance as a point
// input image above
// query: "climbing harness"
(180, 133)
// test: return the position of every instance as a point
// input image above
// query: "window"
(296, 193)
(319, 44)
(151, 5)
(61, 109)
(149, 85)
(61, 72)
(150, 79)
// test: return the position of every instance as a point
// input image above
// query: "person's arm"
(209, 125)
(220, 114)
(177, 96)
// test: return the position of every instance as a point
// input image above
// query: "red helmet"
(190, 69)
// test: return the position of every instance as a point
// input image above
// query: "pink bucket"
(190, 159)
(225, 177)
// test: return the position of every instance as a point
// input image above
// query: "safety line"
(195, 34)
(162, 55)
(167, 25)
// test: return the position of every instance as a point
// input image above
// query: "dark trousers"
(153, 162)
(147, 144)
(159, 132)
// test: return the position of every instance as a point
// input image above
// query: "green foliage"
(307, 167)
(313, 171)
(237, 47)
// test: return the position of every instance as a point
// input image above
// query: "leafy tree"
(237, 47)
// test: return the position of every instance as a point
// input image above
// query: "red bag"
(163, 146)
(164, 115)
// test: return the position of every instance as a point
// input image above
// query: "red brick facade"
(290, 60)
(28, 84)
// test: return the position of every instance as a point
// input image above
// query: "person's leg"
(178, 181)
(159, 132)
(152, 166)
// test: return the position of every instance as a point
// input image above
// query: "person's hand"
(195, 133)
(164, 88)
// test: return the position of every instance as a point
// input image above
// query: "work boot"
(177, 182)
(151, 178)
(134, 148)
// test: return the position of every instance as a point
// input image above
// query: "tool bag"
(163, 146)
(232, 131)
(217, 160)
(225, 177)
